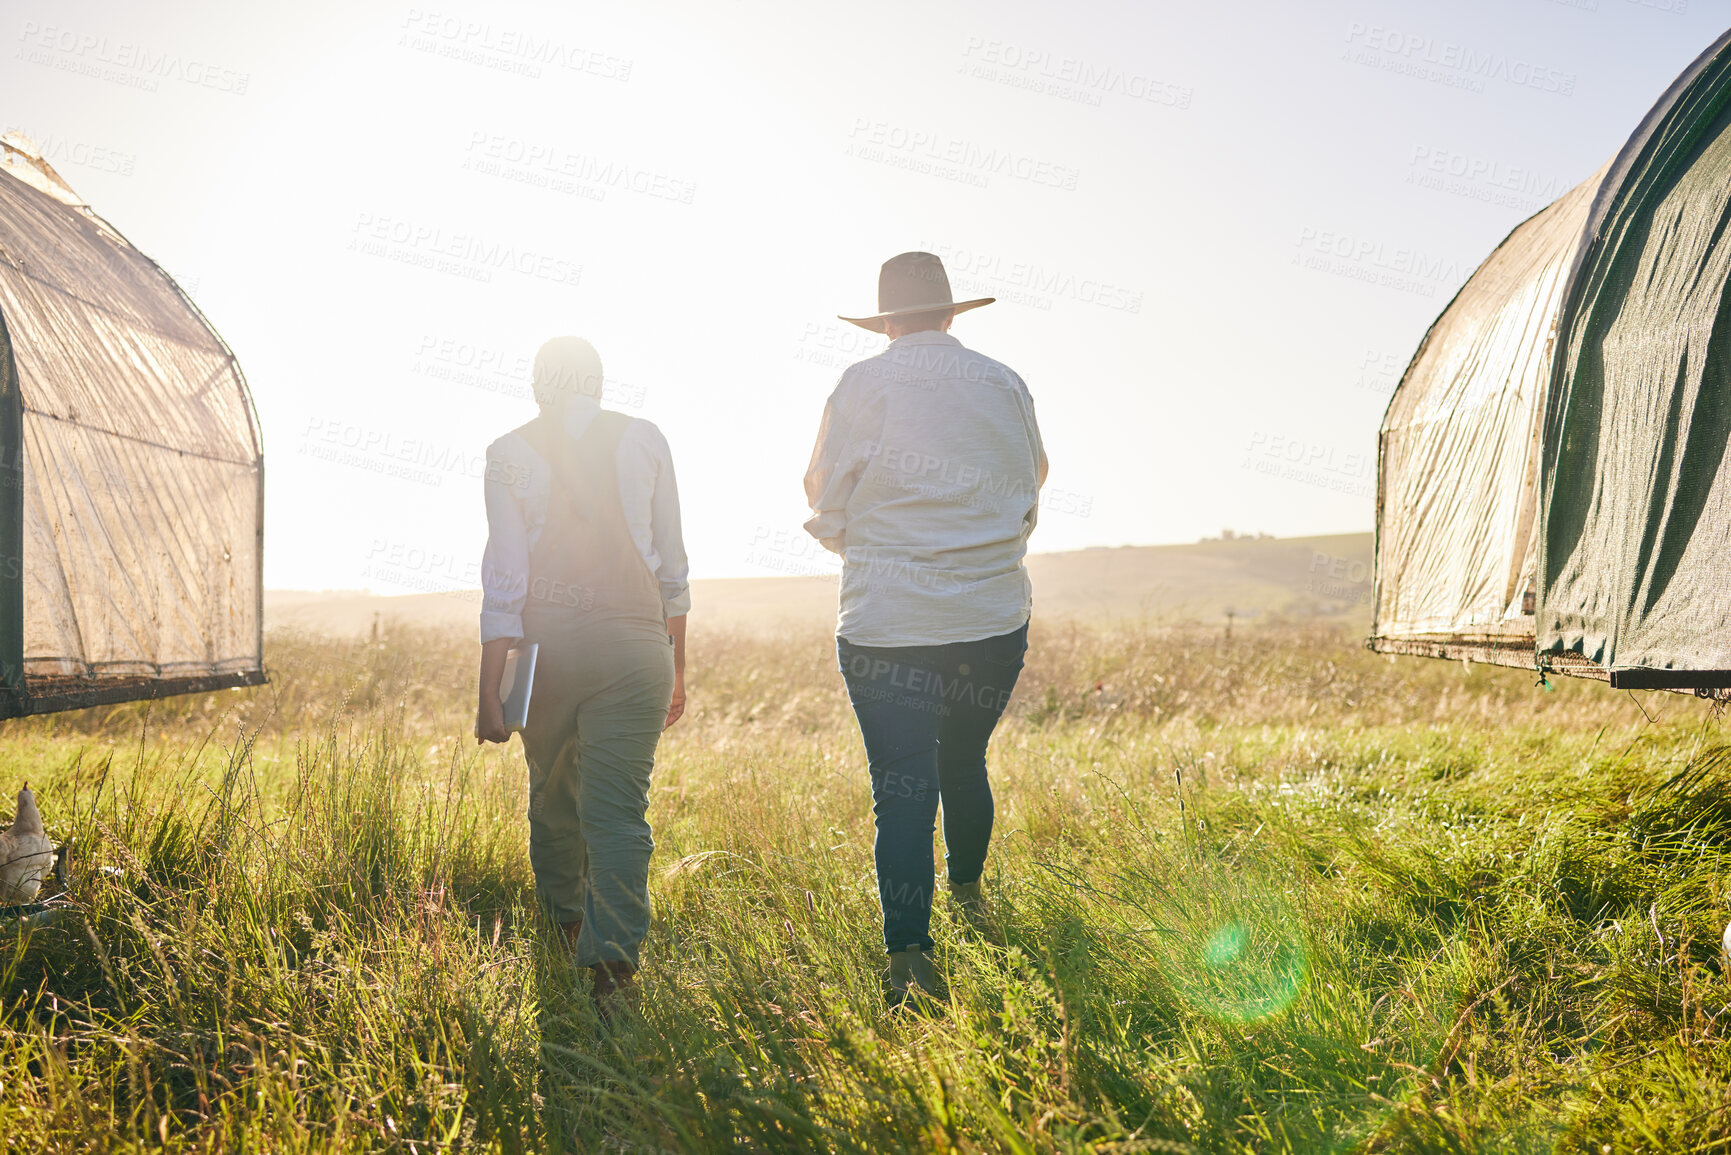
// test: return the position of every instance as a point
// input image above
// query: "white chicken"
(26, 855)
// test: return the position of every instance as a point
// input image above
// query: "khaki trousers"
(600, 697)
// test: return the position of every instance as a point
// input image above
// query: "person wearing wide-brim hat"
(925, 479)
(585, 558)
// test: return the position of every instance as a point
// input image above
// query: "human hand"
(677, 708)
(490, 722)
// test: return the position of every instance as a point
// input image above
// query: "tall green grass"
(1270, 893)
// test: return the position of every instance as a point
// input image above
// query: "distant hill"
(1257, 579)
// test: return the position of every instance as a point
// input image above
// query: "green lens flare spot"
(1246, 969)
(1225, 947)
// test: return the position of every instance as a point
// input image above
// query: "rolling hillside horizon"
(1254, 579)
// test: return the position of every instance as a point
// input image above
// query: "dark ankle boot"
(569, 932)
(970, 902)
(912, 976)
(615, 988)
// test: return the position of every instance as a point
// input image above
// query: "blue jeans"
(926, 713)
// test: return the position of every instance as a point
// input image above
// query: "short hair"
(566, 367)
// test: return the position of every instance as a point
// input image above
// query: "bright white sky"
(1215, 244)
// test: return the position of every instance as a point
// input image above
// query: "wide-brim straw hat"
(913, 283)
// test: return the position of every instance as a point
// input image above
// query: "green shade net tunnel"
(131, 475)
(1553, 487)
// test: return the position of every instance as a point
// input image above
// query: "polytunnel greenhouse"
(131, 473)
(1553, 490)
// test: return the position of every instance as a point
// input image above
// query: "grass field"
(1265, 893)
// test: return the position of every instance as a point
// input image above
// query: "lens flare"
(1246, 968)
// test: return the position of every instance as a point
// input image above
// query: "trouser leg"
(557, 852)
(898, 719)
(618, 728)
(980, 677)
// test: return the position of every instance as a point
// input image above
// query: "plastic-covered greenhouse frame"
(1554, 487)
(131, 469)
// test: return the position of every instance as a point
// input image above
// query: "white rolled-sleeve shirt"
(925, 478)
(517, 487)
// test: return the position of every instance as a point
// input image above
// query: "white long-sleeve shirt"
(926, 479)
(517, 486)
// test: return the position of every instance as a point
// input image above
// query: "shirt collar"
(925, 337)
